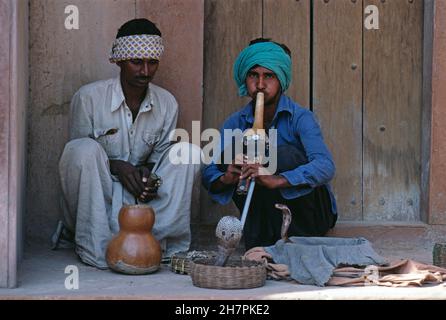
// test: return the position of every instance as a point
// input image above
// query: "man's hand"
(241, 170)
(232, 175)
(263, 177)
(230, 178)
(150, 187)
(135, 180)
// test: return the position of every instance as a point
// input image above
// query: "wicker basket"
(180, 262)
(439, 255)
(237, 274)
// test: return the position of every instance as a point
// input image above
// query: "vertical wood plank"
(13, 103)
(437, 179)
(181, 68)
(337, 91)
(5, 65)
(61, 61)
(426, 112)
(229, 26)
(288, 22)
(392, 111)
(17, 133)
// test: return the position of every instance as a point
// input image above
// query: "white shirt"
(99, 111)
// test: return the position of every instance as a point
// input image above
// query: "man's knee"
(81, 151)
(289, 157)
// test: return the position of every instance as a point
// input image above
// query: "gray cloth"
(311, 260)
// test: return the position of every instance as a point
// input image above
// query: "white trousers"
(92, 198)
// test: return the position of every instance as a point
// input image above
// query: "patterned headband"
(138, 46)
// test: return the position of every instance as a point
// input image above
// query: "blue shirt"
(295, 126)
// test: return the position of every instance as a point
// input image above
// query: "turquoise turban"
(268, 55)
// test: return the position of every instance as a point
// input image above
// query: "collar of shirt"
(285, 105)
(118, 97)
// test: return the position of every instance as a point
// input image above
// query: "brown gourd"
(134, 250)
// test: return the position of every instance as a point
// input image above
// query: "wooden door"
(363, 85)
(337, 95)
(392, 112)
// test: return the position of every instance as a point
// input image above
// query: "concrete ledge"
(377, 231)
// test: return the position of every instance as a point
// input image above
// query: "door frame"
(426, 110)
(13, 101)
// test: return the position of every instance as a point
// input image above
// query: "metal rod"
(247, 202)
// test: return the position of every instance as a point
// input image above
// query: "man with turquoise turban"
(304, 163)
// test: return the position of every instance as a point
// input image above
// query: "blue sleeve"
(320, 168)
(211, 172)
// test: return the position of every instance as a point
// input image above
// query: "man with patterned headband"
(118, 148)
(304, 164)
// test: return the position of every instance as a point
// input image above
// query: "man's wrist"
(223, 180)
(227, 181)
(218, 185)
(115, 166)
(278, 182)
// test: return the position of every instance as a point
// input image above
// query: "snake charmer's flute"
(252, 137)
(229, 229)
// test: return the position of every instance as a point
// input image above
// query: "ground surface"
(42, 276)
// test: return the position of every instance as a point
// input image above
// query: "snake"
(286, 220)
